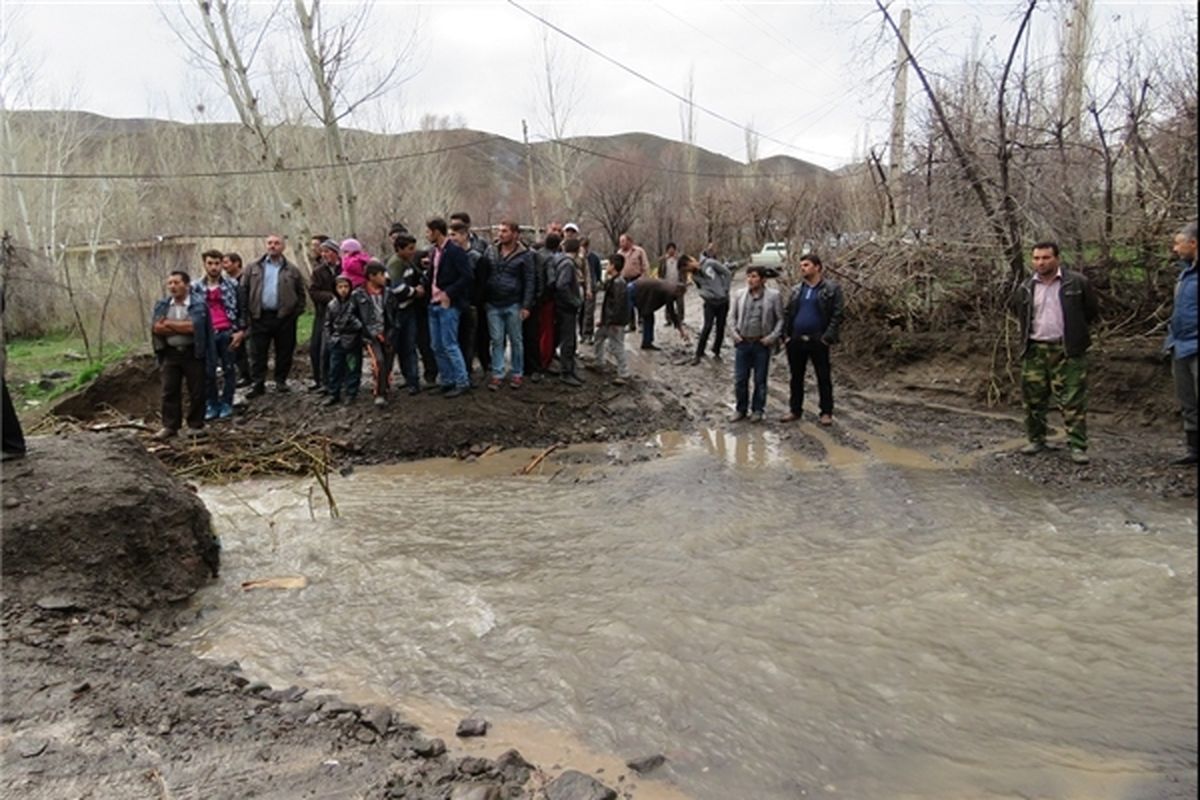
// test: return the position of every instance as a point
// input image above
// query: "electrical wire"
(645, 79)
(152, 176)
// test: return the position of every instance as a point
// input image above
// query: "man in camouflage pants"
(1055, 307)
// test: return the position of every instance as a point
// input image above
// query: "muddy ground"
(98, 704)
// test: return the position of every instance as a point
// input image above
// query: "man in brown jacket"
(271, 299)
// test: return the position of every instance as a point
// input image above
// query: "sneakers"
(1033, 448)
(194, 433)
(257, 390)
(380, 401)
(212, 411)
(651, 346)
(757, 416)
(455, 391)
(163, 434)
(738, 417)
(493, 383)
(414, 390)
(281, 387)
(225, 411)
(789, 417)
(695, 360)
(515, 382)
(332, 400)
(1079, 456)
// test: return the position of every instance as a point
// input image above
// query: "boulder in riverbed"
(572, 785)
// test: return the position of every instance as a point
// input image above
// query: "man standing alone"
(1055, 307)
(271, 299)
(812, 320)
(757, 326)
(1181, 338)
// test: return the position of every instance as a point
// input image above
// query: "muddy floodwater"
(886, 627)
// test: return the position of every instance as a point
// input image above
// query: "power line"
(151, 176)
(714, 114)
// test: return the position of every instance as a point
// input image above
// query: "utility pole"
(529, 173)
(1077, 32)
(899, 214)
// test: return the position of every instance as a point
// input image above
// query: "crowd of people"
(518, 312)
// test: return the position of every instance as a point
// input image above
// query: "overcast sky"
(812, 75)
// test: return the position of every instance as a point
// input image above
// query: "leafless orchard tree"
(613, 197)
(559, 98)
(341, 81)
(228, 41)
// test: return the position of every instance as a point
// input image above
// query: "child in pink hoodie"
(354, 262)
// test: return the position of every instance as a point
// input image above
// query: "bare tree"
(613, 197)
(559, 99)
(229, 43)
(335, 66)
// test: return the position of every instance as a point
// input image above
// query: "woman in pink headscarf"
(354, 262)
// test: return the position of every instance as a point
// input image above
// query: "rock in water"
(475, 791)
(377, 718)
(429, 748)
(572, 785)
(646, 763)
(472, 727)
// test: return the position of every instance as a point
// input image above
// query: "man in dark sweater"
(812, 320)
(509, 297)
(321, 290)
(449, 293)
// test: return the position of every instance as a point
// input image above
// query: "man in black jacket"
(812, 321)
(270, 300)
(567, 301)
(1055, 306)
(508, 301)
(376, 308)
(470, 320)
(321, 290)
(449, 294)
(406, 286)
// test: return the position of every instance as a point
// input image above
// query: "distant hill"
(398, 176)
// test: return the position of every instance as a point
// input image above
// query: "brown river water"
(879, 626)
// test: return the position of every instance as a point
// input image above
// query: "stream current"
(777, 631)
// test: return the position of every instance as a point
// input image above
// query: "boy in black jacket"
(376, 309)
(343, 334)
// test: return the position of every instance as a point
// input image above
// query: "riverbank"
(97, 695)
(101, 549)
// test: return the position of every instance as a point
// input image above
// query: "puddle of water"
(874, 632)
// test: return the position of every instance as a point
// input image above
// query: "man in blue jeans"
(221, 296)
(509, 296)
(450, 292)
(757, 326)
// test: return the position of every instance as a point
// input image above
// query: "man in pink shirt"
(221, 295)
(1055, 307)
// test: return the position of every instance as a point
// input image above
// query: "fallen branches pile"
(222, 455)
